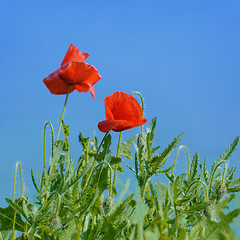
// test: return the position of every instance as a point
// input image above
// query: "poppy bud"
(221, 190)
(209, 212)
(107, 205)
(141, 139)
(55, 222)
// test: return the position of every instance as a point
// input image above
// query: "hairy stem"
(188, 166)
(116, 165)
(64, 108)
(44, 143)
(198, 181)
(139, 94)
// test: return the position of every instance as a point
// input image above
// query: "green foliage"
(71, 202)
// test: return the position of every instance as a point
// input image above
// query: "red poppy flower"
(122, 112)
(74, 72)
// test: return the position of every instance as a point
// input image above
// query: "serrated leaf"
(7, 218)
(193, 169)
(34, 182)
(234, 189)
(227, 154)
(224, 204)
(235, 182)
(160, 159)
(152, 128)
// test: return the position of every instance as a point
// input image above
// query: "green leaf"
(65, 128)
(235, 182)
(68, 232)
(124, 150)
(152, 128)
(224, 204)
(177, 187)
(193, 170)
(234, 189)
(159, 160)
(141, 210)
(214, 229)
(227, 154)
(34, 182)
(115, 160)
(7, 218)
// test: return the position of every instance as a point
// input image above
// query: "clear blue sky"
(183, 56)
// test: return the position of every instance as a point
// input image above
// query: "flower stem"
(206, 191)
(44, 143)
(188, 166)
(212, 175)
(64, 108)
(139, 94)
(18, 164)
(116, 165)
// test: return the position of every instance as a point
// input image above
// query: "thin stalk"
(91, 170)
(18, 164)
(188, 165)
(117, 155)
(64, 108)
(44, 143)
(139, 94)
(206, 191)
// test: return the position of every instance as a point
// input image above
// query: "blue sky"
(183, 56)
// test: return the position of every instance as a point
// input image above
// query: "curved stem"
(206, 191)
(212, 175)
(18, 164)
(91, 170)
(44, 143)
(188, 165)
(117, 155)
(64, 108)
(139, 94)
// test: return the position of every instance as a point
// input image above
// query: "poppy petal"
(74, 54)
(122, 112)
(124, 125)
(106, 125)
(78, 73)
(123, 107)
(56, 85)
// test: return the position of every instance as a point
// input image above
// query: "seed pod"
(55, 222)
(107, 205)
(209, 212)
(221, 190)
(141, 139)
